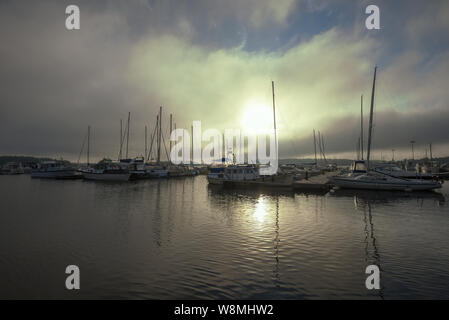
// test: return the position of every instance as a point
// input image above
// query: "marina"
(224, 155)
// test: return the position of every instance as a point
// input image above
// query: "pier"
(319, 182)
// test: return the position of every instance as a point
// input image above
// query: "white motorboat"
(136, 168)
(233, 173)
(246, 175)
(55, 170)
(12, 168)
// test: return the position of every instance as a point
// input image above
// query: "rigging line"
(165, 147)
(82, 148)
(122, 141)
(151, 145)
(322, 142)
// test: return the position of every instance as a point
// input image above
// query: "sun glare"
(260, 210)
(257, 118)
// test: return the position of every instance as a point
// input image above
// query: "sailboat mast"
(361, 126)
(160, 136)
(146, 142)
(121, 139)
(274, 120)
(370, 129)
(157, 136)
(183, 147)
(430, 149)
(357, 149)
(171, 129)
(127, 135)
(314, 145)
(88, 144)
(319, 145)
(322, 143)
(153, 135)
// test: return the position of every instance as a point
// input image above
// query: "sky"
(214, 61)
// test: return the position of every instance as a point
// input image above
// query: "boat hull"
(62, 174)
(346, 183)
(215, 181)
(270, 182)
(11, 173)
(107, 176)
(158, 173)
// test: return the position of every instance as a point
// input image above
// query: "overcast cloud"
(209, 60)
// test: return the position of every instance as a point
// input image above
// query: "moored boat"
(57, 169)
(106, 170)
(246, 175)
(364, 177)
(379, 181)
(12, 168)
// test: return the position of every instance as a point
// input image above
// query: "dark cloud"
(391, 130)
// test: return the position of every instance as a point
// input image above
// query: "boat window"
(359, 166)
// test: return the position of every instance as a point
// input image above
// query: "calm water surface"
(173, 239)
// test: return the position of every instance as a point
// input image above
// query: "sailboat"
(105, 170)
(157, 169)
(361, 177)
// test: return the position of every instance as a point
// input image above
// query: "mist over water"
(182, 239)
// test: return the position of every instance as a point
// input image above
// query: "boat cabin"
(235, 172)
(358, 166)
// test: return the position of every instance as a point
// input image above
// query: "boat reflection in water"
(367, 200)
(385, 197)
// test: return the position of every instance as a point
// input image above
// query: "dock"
(315, 183)
(319, 182)
(284, 182)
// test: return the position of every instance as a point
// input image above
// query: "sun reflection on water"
(261, 210)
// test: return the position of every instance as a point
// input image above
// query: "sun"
(257, 117)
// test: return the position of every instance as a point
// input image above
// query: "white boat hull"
(348, 183)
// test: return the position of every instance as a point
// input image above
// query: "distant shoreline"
(23, 159)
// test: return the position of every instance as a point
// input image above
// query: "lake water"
(181, 239)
